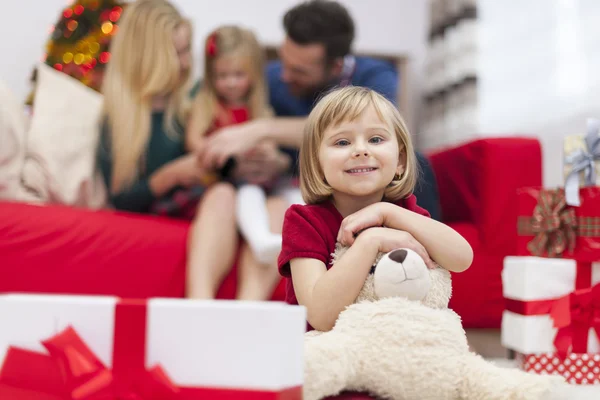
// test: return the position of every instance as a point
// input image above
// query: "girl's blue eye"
(342, 142)
(376, 139)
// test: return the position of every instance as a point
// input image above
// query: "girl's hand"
(353, 224)
(387, 239)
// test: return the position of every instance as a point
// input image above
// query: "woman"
(146, 105)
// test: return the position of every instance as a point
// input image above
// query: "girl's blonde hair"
(343, 105)
(144, 64)
(227, 41)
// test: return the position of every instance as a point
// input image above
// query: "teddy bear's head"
(403, 273)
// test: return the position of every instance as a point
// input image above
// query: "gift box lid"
(534, 278)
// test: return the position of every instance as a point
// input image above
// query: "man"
(315, 57)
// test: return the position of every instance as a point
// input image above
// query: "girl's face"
(360, 158)
(231, 79)
(182, 42)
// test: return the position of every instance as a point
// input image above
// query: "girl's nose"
(360, 153)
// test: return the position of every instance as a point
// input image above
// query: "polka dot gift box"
(581, 369)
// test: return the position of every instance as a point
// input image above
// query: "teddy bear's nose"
(398, 255)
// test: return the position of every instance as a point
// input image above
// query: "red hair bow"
(211, 45)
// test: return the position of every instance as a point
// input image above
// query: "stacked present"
(552, 286)
(103, 348)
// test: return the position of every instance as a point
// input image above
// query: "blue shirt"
(378, 75)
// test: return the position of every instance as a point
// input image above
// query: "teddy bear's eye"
(372, 271)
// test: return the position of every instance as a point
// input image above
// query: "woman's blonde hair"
(343, 105)
(144, 64)
(228, 41)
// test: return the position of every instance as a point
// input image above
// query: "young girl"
(234, 92)
(357, 173)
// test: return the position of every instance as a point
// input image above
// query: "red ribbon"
(211, 45)
(72, 371)
(573, 315)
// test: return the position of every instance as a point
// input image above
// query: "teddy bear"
(400, 341)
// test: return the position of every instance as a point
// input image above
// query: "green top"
(162, 148)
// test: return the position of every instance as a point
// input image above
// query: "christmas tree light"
(79, 42)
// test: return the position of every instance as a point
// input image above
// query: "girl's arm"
(201, 117)
(326, 293)
(444, 245)
(194, 134)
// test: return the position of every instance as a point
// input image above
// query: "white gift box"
(218, 344)
(532, 279)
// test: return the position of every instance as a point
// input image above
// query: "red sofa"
(59, 249)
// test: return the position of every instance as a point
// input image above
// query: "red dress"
(231, 116)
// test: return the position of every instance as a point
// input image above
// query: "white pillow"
(12, 144)
(60, 162)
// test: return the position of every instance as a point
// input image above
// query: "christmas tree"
(79, 41)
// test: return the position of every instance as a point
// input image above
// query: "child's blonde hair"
(342, 105)
(226, 41)
(144, 64)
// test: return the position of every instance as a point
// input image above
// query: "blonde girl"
(357, 174)
(234, 91)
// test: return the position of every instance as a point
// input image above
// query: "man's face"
(304, 69)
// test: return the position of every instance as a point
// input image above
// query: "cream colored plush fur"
(401, 349)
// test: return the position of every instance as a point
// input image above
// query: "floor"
(487, 343)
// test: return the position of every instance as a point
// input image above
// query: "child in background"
(234, 91)
(357, 174)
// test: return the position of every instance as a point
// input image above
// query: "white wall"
(386, 26)
(541, 77)
(538, 76)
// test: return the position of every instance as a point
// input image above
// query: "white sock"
(253, 221)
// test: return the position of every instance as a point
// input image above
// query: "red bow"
(72, 371)
(574, 315)
(553, 224)
(211, 45)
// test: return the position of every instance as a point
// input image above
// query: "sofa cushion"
(60, 249)
(12, 143)
(60, 163)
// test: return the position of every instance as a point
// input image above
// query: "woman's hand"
(387, 239)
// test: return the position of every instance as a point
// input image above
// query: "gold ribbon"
(553, 224)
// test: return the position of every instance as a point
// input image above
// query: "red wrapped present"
(581, 369)
(97, 348)
(548, 227)
(552, 316)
